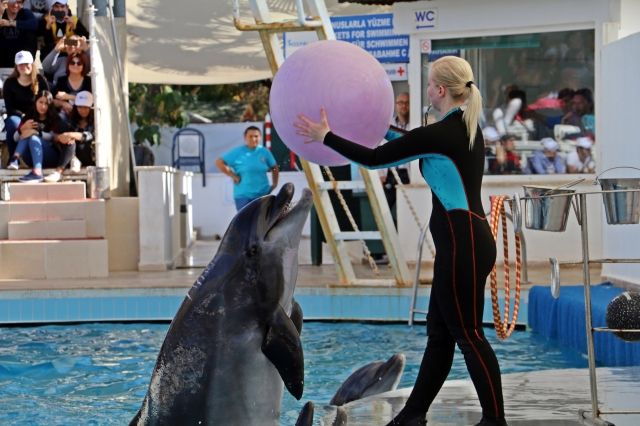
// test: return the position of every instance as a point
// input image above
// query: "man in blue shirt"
(248, 165)
(545, 161)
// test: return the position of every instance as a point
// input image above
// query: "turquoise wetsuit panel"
(444, 179)
(392, 134)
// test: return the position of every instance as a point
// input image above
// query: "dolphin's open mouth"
(289, 208)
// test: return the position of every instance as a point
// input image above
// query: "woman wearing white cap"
(20, 90)
(546, 161)
(580, 160)
(76, 138)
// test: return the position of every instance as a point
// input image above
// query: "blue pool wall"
(367, 304)
(564, 319)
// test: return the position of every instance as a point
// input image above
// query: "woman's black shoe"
(487, 422)
(417, 421)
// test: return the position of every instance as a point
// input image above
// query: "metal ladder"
(320, 23)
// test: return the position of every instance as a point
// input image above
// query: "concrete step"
(48, 230)
(91, 211)
(60, 191)
(54, 259)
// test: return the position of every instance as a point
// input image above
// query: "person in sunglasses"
(76, 81)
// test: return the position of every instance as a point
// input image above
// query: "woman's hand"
(27, 132)
(50, 21)
(62, 96)
(60, 47)
(30, 124)
(236, 179)
(65, 139)
(82, 44)
(70, 22)
(67, 107)
(315, 131)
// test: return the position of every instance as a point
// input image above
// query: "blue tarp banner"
(564, 319)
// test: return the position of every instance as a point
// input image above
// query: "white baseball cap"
(62, 2)
(84, 99)
(585, 143)
(549, 144)
(24, 57)
(490, 134)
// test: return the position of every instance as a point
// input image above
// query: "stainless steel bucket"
(622, 208)
(98, 184)
(545, 213)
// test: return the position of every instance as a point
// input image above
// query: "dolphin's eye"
(251, 252)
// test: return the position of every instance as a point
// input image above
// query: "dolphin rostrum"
(371, 379)
(232, 343)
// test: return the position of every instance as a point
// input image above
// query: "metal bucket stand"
(590, 416)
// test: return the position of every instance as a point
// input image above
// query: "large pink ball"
(344, 79)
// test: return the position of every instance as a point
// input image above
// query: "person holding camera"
(59, 23)
(76, 81)
(18, 31)
(37, 137)
(54, 65)
(19, 92)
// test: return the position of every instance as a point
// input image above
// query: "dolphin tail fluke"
(296, 315)
(283, 348)
(306, 415)
(341, 417)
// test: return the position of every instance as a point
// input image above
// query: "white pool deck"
(539, 398)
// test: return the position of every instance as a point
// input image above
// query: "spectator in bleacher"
(506, 161)
(18, 31)
(37, 138)
(565, 96)
(580, 160)
(55, 64)
(248, 165)
(75, 81)
(39, 7)
(19, 92)
(75, 138)
(581, 114)
(59, 23)
(491, 137)
(545, 161)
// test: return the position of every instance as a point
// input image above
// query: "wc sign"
(425, 19)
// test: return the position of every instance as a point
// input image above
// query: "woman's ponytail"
(472, 113)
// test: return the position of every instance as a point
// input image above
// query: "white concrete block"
(28, 192)
(66, 229)
(27, 230)
(22, 260)
(66, 191)
(27, 212)
(4, 220)
(98, 258)
(67, 259)
(95, 216)
(65, 210)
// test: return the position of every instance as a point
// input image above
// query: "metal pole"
(414, 295)
(124, 102)
(587, 305)
(94, 82)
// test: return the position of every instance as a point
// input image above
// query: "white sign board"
(425, 46)
(425, 19)
(396, 72)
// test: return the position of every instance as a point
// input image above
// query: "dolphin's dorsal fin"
(282, 346)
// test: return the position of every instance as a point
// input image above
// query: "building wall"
(619, 112)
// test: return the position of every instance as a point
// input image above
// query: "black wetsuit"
(465, 253)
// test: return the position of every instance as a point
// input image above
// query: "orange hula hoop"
(505, 328)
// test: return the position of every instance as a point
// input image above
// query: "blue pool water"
(97, 374)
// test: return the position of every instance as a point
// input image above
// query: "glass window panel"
(535, 69)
